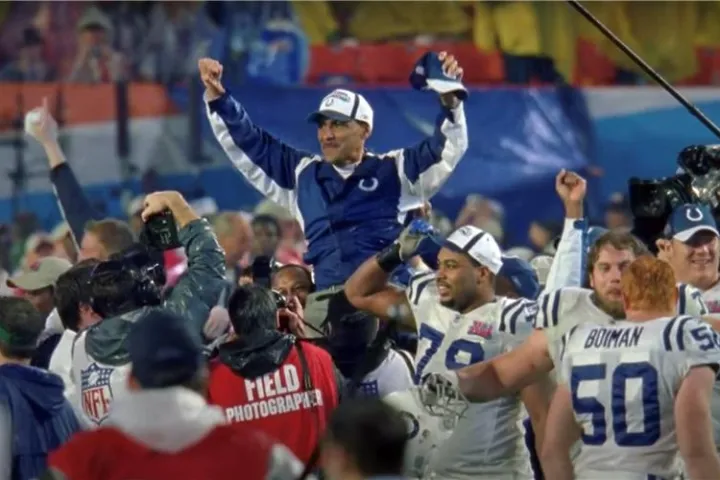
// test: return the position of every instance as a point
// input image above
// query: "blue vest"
(42, 420)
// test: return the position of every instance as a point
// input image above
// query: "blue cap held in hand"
(428, 74)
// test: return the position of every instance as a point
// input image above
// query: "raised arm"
(74, 205)
(567, 269)
(200, 287)
(424, 168)
(271, 166)
(367, 289)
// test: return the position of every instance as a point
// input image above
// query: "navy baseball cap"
(428, 74)
(689, 219)
(163, 351)
(522, 276)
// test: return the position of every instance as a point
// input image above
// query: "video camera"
(698, 181)
(135, 277)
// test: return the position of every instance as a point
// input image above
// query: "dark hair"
(111, 289)
(252, 309)
(373, 433)
(20, 327)
(72, 291)
(114, 235)
(266, 219)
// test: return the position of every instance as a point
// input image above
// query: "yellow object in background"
(558, 35)
(377, 21)
(483, 26)
(517, 27)
(316, 19)
(707, 32)
(665, 33)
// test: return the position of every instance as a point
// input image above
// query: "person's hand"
(452, 69)
(217, 324)
(158, 202)
(40, 125)
(211, 74)
(411, 237)
(292, 316)
(570, 187)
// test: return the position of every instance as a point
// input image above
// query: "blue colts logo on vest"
(96, 392)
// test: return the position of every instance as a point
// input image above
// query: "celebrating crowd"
(398, 352)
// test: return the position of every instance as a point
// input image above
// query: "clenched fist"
(570, 187)
(211, 74)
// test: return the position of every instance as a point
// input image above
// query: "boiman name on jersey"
(613, 338)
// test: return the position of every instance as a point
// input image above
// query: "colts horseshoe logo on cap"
(329, 102)
(368, 184)
(694, 217)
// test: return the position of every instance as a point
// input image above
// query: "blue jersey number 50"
(590, 405)
(474, 350)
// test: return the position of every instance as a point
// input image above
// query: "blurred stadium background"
(547, 92)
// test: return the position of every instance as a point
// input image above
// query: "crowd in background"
(532, 41)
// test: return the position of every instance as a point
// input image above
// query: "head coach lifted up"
(350, 203)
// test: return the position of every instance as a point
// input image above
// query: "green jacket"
(195, 293)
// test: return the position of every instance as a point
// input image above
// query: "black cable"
(694, 111)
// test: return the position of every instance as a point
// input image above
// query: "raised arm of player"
(270, 165)
(556, 444)
(367, 289)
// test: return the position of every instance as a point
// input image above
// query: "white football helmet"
(440, 395)
(426, 432)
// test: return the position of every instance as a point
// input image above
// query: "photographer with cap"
(164, 428)
(349, 202)
(127, 288)
(37, 284)
(271, 380)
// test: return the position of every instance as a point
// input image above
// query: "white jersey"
(394, 374)
(561, 310)
(624, 378)
(97, 385)
(488, 439)
(711, 297)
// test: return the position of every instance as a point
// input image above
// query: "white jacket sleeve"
(568, 266)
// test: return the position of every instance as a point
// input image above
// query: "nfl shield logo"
(96, 392)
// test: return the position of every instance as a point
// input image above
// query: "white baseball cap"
(344, 105)
(478, 244)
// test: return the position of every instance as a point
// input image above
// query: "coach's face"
(605, 278)
(342, 143)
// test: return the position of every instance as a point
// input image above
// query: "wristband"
(389, 258)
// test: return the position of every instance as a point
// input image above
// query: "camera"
(697, 181)
(262, 270)
(280, 300)
(160, 232)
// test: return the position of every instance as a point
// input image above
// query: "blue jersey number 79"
(618, 414)
(473, 349)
